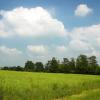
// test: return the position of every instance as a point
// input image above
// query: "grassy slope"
(46, 86)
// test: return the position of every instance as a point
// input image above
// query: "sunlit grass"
(46, 86)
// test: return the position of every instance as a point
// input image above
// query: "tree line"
(81, 65)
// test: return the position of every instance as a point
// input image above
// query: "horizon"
(41, 29)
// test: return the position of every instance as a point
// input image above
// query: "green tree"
(19, 68)
(92, 63)
(52, 66)
(29, 66)
(97, 70)
(72, 65)
(39, 66)
(81, 64)
(66, 65)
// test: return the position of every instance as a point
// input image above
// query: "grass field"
(48, 86)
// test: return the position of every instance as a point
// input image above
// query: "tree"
(92, 63)
(52, 66)
(47, 66)
(29, 66)
(19, 68)
(5, 68)
(66, 65)
(97, 70)
(72, 65)
(39, 66)
(81, 64)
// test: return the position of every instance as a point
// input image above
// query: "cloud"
(9, 51)
(35, 22)
(83, 10)
(88, 33)
(85, 40)
(61, 49)
(79, 45)
(98, 41)
(37, 49)
(10, 56)
(39, 22)
(97, 54)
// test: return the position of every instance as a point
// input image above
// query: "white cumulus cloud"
(83, 10)
(85, 40)
(37, 49)
(9, 51)
(61, 49)
(88, 33)
(10, 56)
(98, 41)
(29, 22)
(79, 45)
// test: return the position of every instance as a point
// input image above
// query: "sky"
(38, 30)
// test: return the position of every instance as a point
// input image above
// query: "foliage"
(29, 66)
(81, 65)
(39, 66)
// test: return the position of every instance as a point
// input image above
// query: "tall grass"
(44, 86)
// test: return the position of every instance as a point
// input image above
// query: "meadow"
(48, 86)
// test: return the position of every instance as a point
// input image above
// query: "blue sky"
(40, 29)
(64, 9)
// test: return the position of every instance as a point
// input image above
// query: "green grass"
(48, 86)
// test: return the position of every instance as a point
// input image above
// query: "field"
(48, 86)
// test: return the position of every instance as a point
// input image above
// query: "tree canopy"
(82, 65)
